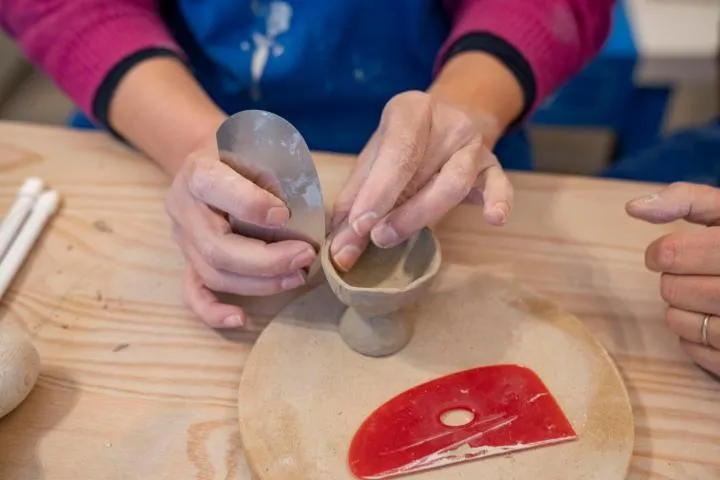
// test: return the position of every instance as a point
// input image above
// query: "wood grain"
(134, 387)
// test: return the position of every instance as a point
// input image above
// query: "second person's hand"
(689, 264)
(425, 158)
(204, 195)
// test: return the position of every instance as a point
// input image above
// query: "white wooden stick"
(26, 197)
(43, 209)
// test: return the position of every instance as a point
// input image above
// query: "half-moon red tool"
(506, 408)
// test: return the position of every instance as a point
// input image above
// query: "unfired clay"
(377, 290)
(19, 366)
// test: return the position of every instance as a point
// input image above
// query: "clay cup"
(378, 287)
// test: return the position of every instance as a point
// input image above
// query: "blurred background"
(658, 73)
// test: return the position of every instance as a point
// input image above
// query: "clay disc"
(304, 393)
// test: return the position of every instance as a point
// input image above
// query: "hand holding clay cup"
(378, 287)
(689, 263)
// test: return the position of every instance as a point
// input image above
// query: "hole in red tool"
(457, 417)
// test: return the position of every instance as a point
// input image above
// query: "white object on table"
(46, 205)
(27, 196)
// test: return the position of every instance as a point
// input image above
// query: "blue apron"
(327, 66)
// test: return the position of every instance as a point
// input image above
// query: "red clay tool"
(464, 416)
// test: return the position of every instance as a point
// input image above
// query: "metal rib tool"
(268, 150)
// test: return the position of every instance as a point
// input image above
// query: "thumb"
(693, 202)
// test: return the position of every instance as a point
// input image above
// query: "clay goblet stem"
(375, 335)
(378, 287)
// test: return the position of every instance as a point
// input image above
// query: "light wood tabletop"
(134, 387)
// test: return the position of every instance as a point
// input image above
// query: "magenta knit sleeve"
(556, 37)
(78, 42)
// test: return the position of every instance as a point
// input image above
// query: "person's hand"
(425, 158)
(204, 195)
(690, 265)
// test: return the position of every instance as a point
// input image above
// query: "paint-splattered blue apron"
(328, 66)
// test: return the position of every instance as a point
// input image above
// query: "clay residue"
(102, 226)
(464, 452)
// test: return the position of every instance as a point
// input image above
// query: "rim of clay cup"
(434, 267)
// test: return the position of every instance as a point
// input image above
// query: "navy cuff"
(106, 91)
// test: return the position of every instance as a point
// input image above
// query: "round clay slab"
(304, 393)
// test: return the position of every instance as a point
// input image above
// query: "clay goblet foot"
(378, 287)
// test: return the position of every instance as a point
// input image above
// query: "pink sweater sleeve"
(557, 37)
(78, 42)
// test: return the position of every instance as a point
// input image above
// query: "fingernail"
(293, 281)
(234, 321)
(645, 199)
(346, 257)
(364, 223)
(385, 236)
(666, 257)
(498, 213)
(303, 259)
(277, 216)
(343, 237)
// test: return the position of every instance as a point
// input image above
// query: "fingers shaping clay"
(19, 366)
(377, 290)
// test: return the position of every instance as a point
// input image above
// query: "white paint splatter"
(277, 22)
(287, 461)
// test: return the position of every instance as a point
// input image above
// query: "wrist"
(484, 87)
(160, 108)
(203, 141)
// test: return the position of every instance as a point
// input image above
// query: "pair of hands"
(425, 157)
(689, 263)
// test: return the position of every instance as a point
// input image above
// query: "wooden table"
(134, 387)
